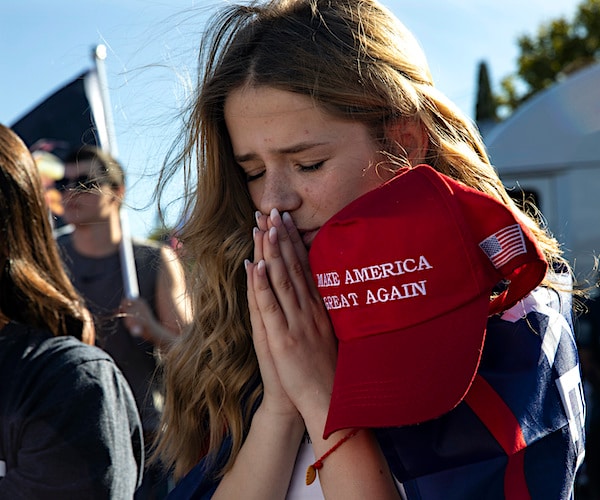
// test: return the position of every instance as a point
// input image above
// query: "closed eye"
(311, 168)
(250, 178)
(302, 168)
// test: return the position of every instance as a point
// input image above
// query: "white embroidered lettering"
(325, 280)
(423, 264)
(407, 290)
(386, 270)
(411, 263)
(340, 301)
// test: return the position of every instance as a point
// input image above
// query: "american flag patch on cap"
(504, 245)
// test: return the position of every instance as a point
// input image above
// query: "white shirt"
(298, 489)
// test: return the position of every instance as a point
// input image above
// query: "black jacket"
(69, 427)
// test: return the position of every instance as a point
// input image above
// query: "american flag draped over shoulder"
(530, 371)
(531, 379)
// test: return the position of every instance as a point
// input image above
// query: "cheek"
(325, 199)
(89, 201)
(349, 191)
(256, 192)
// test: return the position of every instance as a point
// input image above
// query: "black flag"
(65, 120)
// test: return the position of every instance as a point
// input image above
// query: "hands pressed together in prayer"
(293, 337)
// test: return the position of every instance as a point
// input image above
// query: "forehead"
(265, 106)
(81, 167)
(265, 118)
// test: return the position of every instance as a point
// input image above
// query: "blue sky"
(152, 52)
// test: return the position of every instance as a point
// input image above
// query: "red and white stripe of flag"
(504, 245)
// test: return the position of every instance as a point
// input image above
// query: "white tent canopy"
(558, 127)
(550, 147)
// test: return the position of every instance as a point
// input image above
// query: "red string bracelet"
(311, 472)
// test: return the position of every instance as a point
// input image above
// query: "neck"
(99, 239)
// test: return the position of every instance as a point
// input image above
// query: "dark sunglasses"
(81, 183)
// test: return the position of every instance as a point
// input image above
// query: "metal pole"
(108, 142)
(110, 135)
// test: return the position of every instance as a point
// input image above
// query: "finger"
(276, 267)
(284, 266)
(259, 332)
(261, 220)
(267, 302)
(262, 299)
(257, 237)
(264, 309)
(258, 328)
(266, 316)
(301, 251)
(299, 300)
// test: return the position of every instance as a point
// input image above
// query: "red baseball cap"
(407, 273)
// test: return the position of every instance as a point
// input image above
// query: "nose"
(278, 191)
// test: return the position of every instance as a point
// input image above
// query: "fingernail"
(246, 264)
(287, 219)
(257, 215)
(261, 267)
(273, 235)
(254, 231)
(275, 217)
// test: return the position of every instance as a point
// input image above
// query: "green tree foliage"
(559, 47)
(485, 108)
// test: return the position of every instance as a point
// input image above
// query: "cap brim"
(409, 376)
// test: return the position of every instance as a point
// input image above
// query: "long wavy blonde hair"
(356, 61)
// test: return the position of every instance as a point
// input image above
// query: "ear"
(119, 194)
(411, 138)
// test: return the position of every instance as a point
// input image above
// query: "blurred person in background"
(132, 330)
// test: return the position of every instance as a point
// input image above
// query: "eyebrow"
(296, 148)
